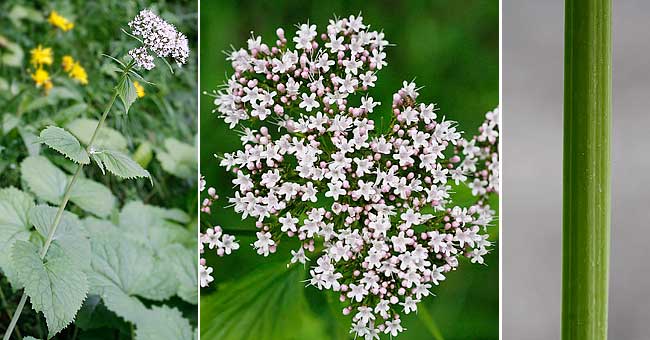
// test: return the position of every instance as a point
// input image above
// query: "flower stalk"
(59, 213)
(587, 133)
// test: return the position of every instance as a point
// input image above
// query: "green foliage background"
(168, 110)
(449, 47)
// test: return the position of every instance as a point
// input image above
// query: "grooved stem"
(586, 200)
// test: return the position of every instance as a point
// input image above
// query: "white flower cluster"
(213, 237)
(158, 36)
(373, 206)
(481, 156)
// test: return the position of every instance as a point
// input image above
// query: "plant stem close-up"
(587, 163)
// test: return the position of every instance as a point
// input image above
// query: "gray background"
(532, 170)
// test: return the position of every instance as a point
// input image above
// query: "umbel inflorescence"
(159, 37)
(374, 207)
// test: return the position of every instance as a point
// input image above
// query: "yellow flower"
(79, 73)
(67, 63)
(42, 78)
(59, 21)
(139, 90)
(47, 86)
(41, 56)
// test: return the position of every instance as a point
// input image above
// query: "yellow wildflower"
(42, 78)
(41, 56)
(59, 21)
(139, 90)
(67, 63)
(79, 73)
(47, 86)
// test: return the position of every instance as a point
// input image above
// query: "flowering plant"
(83, 248)
(370, 201)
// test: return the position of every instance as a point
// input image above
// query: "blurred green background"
(451, 48)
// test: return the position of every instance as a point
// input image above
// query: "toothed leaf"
(121, 165)
(164, 323)
(183, 262)
(70, 235)
(65, 143)
(14, 224)
(126, 91)
(98, 162)
(56, 286)
(120, 270)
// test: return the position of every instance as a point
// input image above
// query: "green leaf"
(164, 323)
(65, 143)
(43, 178)
(161, 282)
(107, 137)
(143, 154)
(148, 225)
(9, 122)
(121, 270)
(179, 159)
(93, 197)
(56, 286)
(120, 164)
(94, 314)
(14, 222)
(261, 305)
(70, 234)
(73, 111)
(11, 54)
(30, 338)
(49, 183)
(184, 264)
(126, 92)
(31, 141)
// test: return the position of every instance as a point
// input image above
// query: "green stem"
(59, 215)
(6, 305)
(586, 201)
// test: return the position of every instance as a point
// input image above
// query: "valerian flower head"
(373, 198)
(159, 37)
(481, 156)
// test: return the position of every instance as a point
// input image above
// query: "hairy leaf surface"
(65, 143)
(126, 91)
(120, 165)
(164, 323)
(56, 286)
(14, 224)
(70, 235)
